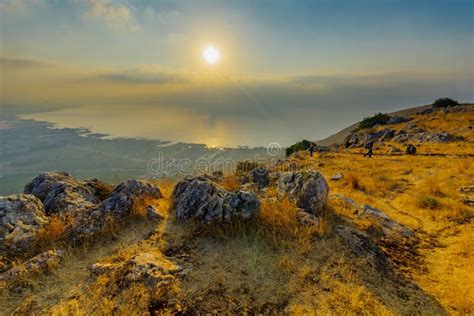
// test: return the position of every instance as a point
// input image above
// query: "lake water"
(182, 125)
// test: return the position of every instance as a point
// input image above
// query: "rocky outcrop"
(120, 201)
(353, 140)
(391, 230)
(435, 137)
(397, 119)
(421, 136)
(152, 270)
(258, 176)
(204, 200)
(308, 189)
(385, 134)
(63, 194)
(401, 137)
(360, 245)
(395, 150)
(90, 204)
(118, 205)
(359, 139)
(38, 264)
(21, 218)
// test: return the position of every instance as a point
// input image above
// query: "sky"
(288, 69)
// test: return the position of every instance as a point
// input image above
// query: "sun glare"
(211, 55)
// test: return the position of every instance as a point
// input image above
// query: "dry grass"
(421, 193)
(353, 181)
(55, 229)
(231, 183)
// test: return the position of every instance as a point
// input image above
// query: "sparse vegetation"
(354, 182)
(428, 202)
(376, 119)
(444, 102)
(301, 145)
(55, 229)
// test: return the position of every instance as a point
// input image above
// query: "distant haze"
(288, 70)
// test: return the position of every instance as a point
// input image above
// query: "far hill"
(339, 137)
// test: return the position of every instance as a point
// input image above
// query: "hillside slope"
(339, 137)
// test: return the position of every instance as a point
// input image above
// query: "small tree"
(301, 145)
(371, 121)
(444, 102)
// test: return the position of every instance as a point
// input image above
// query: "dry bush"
(433, 186)
(428, 202)
(280, 227)
(56, 228)
(231, 183)
(140, 205)
(162, 204)
(354, 182)
(103, 190)
(279, 215)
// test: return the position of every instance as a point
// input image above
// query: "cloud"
(17, 7)
(143, 76)
(14, 62)
(115, 15)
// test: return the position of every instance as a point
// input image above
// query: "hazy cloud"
(18, 7)
(143, 76)
(23, 62)
(113, 14)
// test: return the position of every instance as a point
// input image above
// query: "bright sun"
(211, 55)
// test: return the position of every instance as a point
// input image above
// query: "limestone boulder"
(22, 216)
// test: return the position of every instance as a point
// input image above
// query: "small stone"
(152, 214)
(336, 177)
(467, 189)
(395, 150)
(306, 219)
(468, 201)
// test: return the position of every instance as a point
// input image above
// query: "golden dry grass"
(422, 193)
(55, 229)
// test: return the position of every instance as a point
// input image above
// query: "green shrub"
(379, 118)
(428, 202)
(444, 102)
(301, 145)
